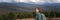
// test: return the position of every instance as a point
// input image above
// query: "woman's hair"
(40, 10)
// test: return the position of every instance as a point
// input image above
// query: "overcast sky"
(33, 1)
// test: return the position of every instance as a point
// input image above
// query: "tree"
(34, 14)
(52, 14)
(12, 16)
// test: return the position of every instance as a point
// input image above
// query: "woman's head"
(37, 9)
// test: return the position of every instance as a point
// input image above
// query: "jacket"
(40, 16)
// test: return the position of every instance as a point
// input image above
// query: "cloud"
(6, 1)
(53, 1)
(38, 1)
(33, 1)
(29, 0)
(26, 1)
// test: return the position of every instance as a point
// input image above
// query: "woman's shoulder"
(42, 14)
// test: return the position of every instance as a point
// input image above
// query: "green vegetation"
(14, 15)
(10, 16)
(25, 15)
(51, 14)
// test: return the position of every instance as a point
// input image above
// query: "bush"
(4, 17)
(52, 14)
(25, 15)
(46, 14)
(9, 16)
(12, 16)
(34, 14)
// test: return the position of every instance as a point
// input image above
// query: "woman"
(39, 15)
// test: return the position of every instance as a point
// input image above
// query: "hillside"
(19, 7)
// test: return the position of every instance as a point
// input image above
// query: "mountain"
(52, 6)
(20, 7)
(9, 7)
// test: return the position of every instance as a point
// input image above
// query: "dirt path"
(34, 19)
(27, 19)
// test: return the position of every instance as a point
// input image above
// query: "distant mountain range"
(19, 7)
(8, 7)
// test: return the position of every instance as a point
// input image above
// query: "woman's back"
(39, 16)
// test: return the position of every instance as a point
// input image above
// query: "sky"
(38, 1)
(32, 1)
